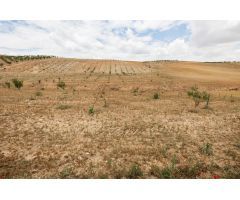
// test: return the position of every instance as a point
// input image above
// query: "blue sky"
(126, 40)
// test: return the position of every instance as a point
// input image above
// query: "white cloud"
(208, 40)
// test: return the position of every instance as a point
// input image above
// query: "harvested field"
(105, 123)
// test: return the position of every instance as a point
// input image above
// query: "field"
(118, 119)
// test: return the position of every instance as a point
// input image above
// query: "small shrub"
(61, 84)
(38, 94)
(207, 149)
(91, 110)
(134, 172)
(8, 84)
(156, 96)
(195, 94)
(206, 97)
(64, 107)
(17, 83)
(198, 96)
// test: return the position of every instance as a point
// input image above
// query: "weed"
(166, 173)
(207, 149)
(91, 110)
(206, 97)
(61, 84)
(135, 172)
(156, 96)
(17, 83)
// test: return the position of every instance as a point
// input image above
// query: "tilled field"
(106, 123)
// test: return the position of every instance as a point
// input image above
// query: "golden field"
(106, 122)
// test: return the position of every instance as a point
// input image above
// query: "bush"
(206, 97)
(135, 172)
(195, 94)
(61, 84)
(198, 96)
(156, 96)
(17, 83)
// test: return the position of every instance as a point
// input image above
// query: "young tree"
(195, 94)
(206, 97)
(198, 96)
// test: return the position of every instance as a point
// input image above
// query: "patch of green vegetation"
(198, 96)
(17, 83)
(10, 59)
(91, 110)
(135, 172)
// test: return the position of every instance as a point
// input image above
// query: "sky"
(123, 40)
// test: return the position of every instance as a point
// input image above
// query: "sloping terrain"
(108, 122)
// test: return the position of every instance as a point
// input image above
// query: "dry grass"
(130, 134)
